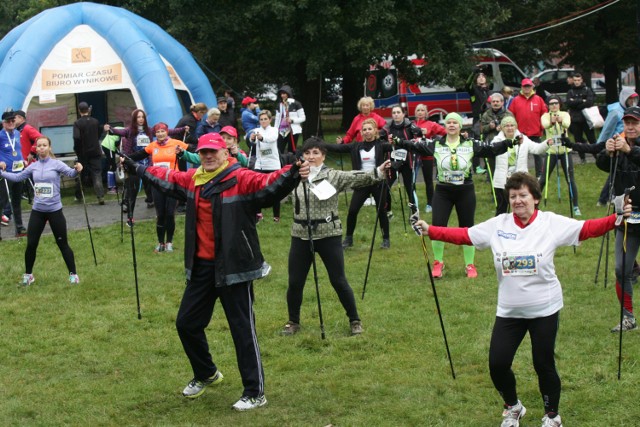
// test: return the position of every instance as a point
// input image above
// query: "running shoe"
(628, 324)
(27, 279)
(266, 269)
(356, 327)
(4, 220)
(512, 415)
(276, 219)
(291, 328)
(247, 403)
(386, 244)
(74, 279)
(159, 248)
(347, 242)
(437, 269)
(390, 214)
(168, 247)
(480, 170)
(195, 388)
(21, 232)
(547, 421)
(428, 209)
(576, 211)
(259, 217)
(472, 273)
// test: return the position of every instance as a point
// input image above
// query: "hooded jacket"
(613, 124)
(295, 110)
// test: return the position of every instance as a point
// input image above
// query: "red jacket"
(354, 133)
(235, 195)
(28, 136)
(528, 112)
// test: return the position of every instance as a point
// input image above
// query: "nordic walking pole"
(86, 215)
(379, 208)
(612, 176)
(346, 198)
(567, 175)
(624, 259)
(404, 218)
(546, 180)
(558, 179)
(313, 256)
(493, 190)
(418, 230)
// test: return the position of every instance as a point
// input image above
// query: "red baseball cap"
(230, 130)
(527, 82)
(248, 100)
(211, 141)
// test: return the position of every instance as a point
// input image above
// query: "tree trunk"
(352, 91)
(611, 76)
(310, 99)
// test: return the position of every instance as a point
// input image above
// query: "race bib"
(17, 165)
(453, 177)
(634, 218)
(324, 190)
(266, 152)
(142, 140)
(43, 189)
(165, 165)
(519, 264)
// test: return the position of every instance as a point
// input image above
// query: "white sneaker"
(428, 209)
(551, 422)
(247, 403)
(27, 279)
(168, 247)
(74, 279)
(195, 388)
(512, 414)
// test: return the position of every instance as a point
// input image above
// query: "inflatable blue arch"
(137, 41)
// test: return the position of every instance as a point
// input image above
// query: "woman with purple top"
(47, 206)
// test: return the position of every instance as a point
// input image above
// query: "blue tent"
(146, 55)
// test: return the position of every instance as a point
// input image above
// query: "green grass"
(79, 355)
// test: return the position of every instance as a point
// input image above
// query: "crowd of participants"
(198, 168)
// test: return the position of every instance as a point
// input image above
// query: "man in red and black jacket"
(222, 256)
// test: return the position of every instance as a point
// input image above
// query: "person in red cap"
(624, 148)
(230, 136)
(162, 152)
(222, 256)
(528, 109)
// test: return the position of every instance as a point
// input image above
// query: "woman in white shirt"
(265, 140)
(529, 292)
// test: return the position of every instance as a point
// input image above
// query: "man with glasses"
(11, 155)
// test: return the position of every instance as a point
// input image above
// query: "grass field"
(78, 355)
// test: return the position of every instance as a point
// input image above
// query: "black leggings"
(165, 215)
(357, 200)
(332, 255)
(553, 160)
(58, 224)
(506, 338)
(276, 205)
(446, 196)
(408, 180)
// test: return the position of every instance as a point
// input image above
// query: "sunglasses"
(9, 120)
(554, 103)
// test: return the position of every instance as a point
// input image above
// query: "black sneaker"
(347, 242)
(21, 232)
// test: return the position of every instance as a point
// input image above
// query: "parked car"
(554, 80)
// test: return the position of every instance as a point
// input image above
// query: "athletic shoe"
(4, 220)
(150, 205)
(386, 244)
(437, 269)
(159, 248)
(259, 217)
(428, 209)
(112, 191)
(390, 214)
(266, 269)
(480, 170)
(599, 203)
(370, 202)
(180, 209)
(347, 242)
(472, 273)
(551, 422)
(168, 247)
(512, 415)
(628, 324)
(247, 403)
(276, 219)
(576, 211)
(21, 232)
(100, 201)
(130, 222)
(27, 279)
(356, 327)
(291, 328)
(195, 388)
(74, 279)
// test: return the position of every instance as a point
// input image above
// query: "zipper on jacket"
(246, 240)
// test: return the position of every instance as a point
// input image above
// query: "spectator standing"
(580, 97)
(365, 106)
(528, 108)
(11, 155)
(227, 115)
(28, 136)
(289, 118)
(490, 124)
(86, 144)
(210, 124)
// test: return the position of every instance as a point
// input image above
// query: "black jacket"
(381, 147)
(86, 137)
(189, 120)
(579, 98)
